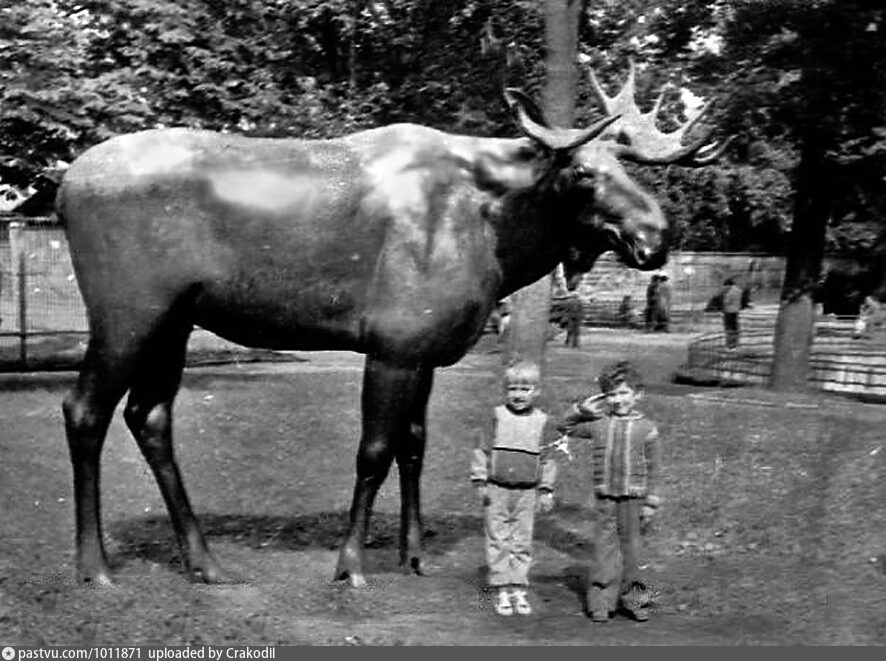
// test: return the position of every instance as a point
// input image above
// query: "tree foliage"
(73, 72)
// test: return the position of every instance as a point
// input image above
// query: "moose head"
(617, 214)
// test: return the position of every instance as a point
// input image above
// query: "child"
(512, 476)
(623, 449)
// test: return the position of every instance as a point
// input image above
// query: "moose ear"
(519, 102)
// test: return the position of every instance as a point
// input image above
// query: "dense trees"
(73, 72)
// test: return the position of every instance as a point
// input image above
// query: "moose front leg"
(387, 403)
(410, 453)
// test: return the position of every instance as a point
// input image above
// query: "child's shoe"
(597, 608)
(634, 602)
(503, 605)
(521, 603)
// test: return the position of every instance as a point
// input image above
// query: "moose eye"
(526, 153)
(623, 139)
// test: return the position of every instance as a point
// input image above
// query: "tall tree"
(531, 305)
(824, 65)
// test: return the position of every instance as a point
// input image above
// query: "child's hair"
(617, 373)
(523, 372)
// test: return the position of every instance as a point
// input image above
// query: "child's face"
(622, 399)
(521, 396)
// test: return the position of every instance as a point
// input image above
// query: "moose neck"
(533, 234)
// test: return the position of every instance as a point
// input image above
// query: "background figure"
(574, 314)
(651, 290)
(661, 305)
(870, 314)
(626, 312)
(731, 308)
(503, 320)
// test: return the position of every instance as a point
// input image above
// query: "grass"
(772, 531)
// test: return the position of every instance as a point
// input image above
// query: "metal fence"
(614, 294)
(43, 322)
(41, 311)
(839, 362)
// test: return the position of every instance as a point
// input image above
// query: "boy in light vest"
(513, 476)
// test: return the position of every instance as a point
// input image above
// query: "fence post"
(19, 256)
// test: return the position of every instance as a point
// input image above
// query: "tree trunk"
(531, 305)
(795, 327)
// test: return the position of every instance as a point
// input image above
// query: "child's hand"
(546, 501)
(594, 406)
(647, 513)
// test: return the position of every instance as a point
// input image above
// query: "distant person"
(574, 315)
(615, 444)
(661, 307)
(651, 294)
(747, 293)
(513, 476)
(503, 320)
(731, 307)
(627, 315)
(871, 313)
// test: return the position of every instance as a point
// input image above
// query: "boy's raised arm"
(587, 410)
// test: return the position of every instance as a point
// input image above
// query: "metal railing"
(43, 321)
(839, 362)
(41, 310)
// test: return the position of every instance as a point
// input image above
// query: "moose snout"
(651, 243)
(652, 254)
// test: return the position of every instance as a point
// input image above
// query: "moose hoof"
(350, 568)
(355, 578)
(213, 574)
(100, 579)
(413, 566)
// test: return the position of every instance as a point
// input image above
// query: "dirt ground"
(773, 533)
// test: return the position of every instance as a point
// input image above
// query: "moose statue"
(395, 242)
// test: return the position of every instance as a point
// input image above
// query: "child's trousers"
(510, 516)
(615, 532)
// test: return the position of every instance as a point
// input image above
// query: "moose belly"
(403, 335)
(281, 315)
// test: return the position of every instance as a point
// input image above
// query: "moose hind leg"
(88, 409)
(387, 397)
(148, 415)
(410, 452)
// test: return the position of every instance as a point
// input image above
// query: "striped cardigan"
(625, 453)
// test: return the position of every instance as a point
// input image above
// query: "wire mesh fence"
(615, 295)
(43, 321)
(41, 312)
(839, 361)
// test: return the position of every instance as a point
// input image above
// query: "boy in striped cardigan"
(620, 449)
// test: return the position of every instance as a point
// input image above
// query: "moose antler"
(533, 124)
(639, 139)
